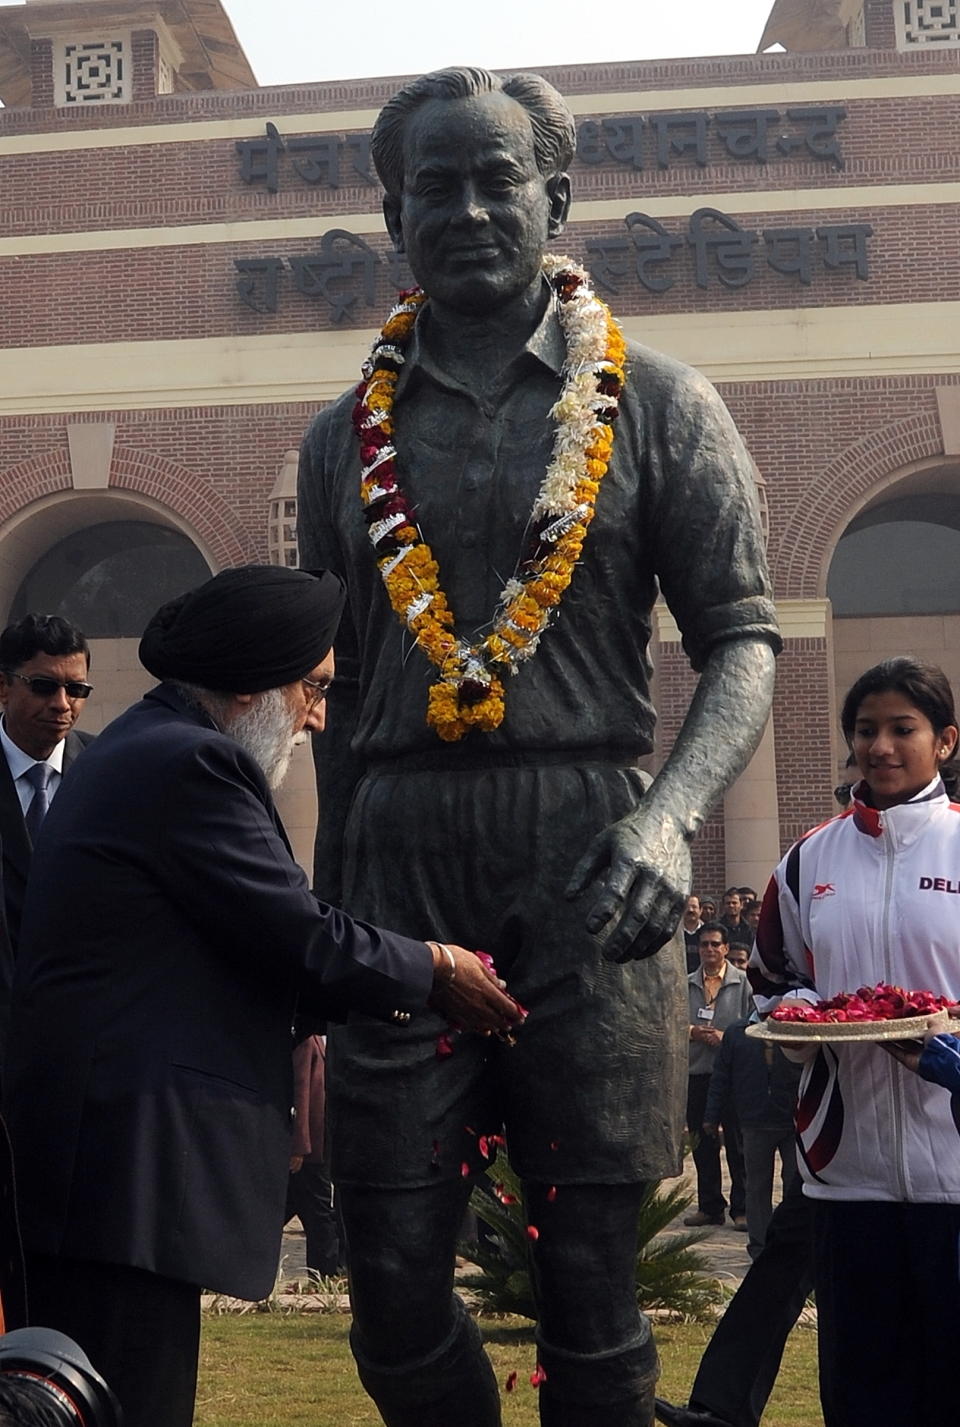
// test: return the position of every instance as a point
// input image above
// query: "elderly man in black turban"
(169, 938)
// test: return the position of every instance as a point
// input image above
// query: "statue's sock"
(608, 1389)
(452, 1385)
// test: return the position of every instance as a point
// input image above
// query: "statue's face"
(475, 213)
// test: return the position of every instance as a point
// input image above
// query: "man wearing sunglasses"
(44, 666)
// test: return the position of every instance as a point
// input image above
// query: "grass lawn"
(295, 1370)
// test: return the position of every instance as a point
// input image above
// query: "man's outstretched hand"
(468, 995)
(639, 872)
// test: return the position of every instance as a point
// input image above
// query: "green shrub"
(671, 1274)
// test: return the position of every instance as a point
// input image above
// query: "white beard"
(265, 731)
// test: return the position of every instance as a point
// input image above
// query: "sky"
(293, 41)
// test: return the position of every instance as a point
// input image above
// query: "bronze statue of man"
(486, 528)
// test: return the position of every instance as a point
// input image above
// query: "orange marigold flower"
(544, 594)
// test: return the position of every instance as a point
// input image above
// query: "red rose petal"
(511, 1382)
(867, 1003)
(533, 1232)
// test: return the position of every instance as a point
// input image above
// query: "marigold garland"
(469, 693)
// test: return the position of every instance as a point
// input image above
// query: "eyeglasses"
(316, 692)
(44, 687)
(712, 945)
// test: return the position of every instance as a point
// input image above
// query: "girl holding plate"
(874, 896)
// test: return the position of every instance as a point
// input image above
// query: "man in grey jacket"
(719, 995)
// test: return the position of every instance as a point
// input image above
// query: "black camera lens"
(54, 1371)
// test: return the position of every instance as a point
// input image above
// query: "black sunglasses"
(44, 687)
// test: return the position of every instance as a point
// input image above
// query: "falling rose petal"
(551, 1193)
(533, 1232)
(470, 1130)
(537, 1376)
(511, 1382)
(464, 1170)
(554, 1144)
(444, 1045)
(483, 1145)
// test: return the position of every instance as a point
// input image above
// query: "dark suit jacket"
(17, 852)
(167, 935)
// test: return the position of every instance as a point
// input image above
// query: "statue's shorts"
(593, 1091)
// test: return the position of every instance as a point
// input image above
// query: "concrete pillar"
(751, 818)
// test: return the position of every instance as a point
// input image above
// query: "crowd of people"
(741, 1093)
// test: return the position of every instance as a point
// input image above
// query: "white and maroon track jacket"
(869, 897)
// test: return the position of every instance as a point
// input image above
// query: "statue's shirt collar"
(545, 346)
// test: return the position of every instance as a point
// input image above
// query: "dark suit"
(17, 853)
(167, 933)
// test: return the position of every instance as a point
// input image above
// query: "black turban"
(251, 628)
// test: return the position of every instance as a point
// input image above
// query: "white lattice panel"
(164, 76)
(96, 71)
(857, 31)
(928, 22)
(282, 533)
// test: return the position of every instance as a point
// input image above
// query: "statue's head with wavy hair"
(554, 132)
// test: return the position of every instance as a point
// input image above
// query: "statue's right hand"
(468, 995)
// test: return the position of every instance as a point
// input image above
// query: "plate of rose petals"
(872, 1013)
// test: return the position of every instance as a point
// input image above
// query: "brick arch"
(198, 508)
(800, 557)
(32, 480)
(197, 504)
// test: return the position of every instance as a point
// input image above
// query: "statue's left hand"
(640, 871)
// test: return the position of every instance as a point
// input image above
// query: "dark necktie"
(39, 775)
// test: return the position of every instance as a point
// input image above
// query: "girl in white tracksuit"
(874, 895)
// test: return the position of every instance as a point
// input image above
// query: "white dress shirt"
(19, 762)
